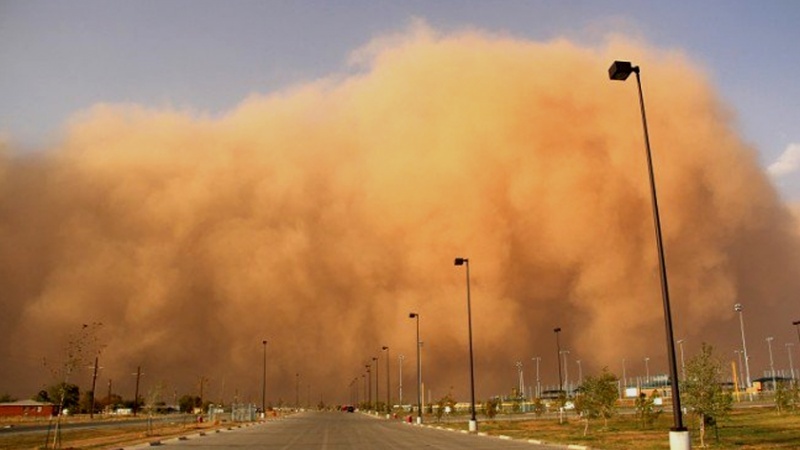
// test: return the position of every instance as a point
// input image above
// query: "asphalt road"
(339, 430)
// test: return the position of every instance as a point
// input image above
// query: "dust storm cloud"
(317, 217)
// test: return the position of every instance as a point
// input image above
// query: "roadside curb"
(191, 436)
(507, 438)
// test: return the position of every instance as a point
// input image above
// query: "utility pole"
(109, 394)
(136, 393)
(94, 384)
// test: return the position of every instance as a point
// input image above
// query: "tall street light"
(679, 435)
(538, 385)
(366, 384)
(388, 383)
(264, 382)
(771, 362)
(739, 354)
(683, 361)
(738, 308)
(369, 385)
(796, 324)
(400, 378)
(624, 375)
(473, 422)
(377, 396)
(419, 371)
(789, 346)
(647, 370)
(297, 391)
(557, 330)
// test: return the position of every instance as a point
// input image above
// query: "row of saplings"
(703, 395)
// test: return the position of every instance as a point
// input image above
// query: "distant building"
(27, 408)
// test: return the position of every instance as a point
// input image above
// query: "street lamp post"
(264, 382)
(647, 370)
(564, 354)
(557, 330)
(521, 388)
(738, 308)
(796, 324)
(771, 362)
(419, 372)
(538, 385)
(473, 422)
(679, 435)
(366, 386)
(683, 361)
(388, 382)
(624, 375)
(580, 371)
(400, 377)
(789, 346)
(377, 396)
(369, 385)
(739, 354)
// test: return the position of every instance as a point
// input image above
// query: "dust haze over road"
(318, 216)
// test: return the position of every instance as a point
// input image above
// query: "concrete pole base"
(679, 440)
(473, 426)
(419, 420)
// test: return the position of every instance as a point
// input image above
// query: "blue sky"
(60, 57)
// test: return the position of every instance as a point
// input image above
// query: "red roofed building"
(27, 408)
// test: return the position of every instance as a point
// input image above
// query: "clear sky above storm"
(200, 177)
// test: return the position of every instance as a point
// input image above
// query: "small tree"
(787, 396)
(68, 394)
(597, 398)
(43, 396)
(783, 397)
(538, 407)
(188, 403)
(445, 402)
(645, 409)
(702, 391)
(490, 408)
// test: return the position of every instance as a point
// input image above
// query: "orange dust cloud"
(319, 216)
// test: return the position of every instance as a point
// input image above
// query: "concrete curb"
(509, 438)
(192, 436)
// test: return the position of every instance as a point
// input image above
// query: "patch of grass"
(98, 438)
(750, 428)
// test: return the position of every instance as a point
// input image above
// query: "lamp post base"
(679, 440)
(473, 426)
(419, 420)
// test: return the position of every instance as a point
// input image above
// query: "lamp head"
(620, 70)
(738, 307)
(264, 342)
(412, 315)
(796, 322)
(384, 348)
(461, 261)
(557, 329)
